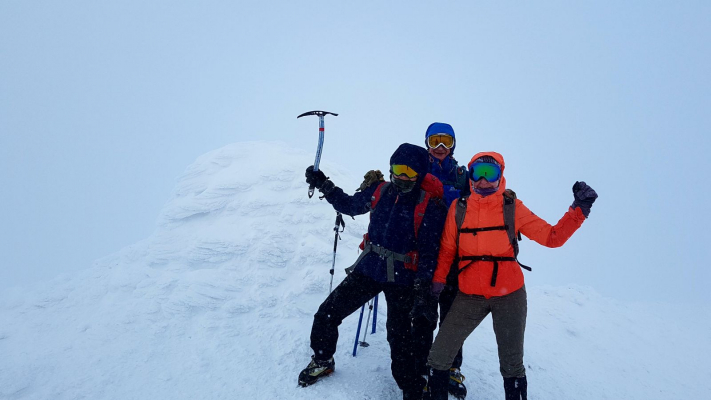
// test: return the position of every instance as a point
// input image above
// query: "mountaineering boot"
(316, 370)
(437, 384)
(417, 390)
(456, 384)
(516, 388)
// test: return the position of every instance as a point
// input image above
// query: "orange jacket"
(487, 212)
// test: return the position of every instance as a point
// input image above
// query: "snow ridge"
(218, 304)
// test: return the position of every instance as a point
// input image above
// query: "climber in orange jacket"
(490, 277)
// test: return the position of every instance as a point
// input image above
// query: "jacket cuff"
(578, 213)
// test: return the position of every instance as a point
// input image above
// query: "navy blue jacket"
(392, 225)
(453, 178)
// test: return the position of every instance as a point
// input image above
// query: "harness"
(509, 226)
(410, 259)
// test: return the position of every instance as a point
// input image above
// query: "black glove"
(425, 305)
(319, 180)
(584, 197)
(315, 178)
(436, 289)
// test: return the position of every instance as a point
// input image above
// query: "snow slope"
(218, 303)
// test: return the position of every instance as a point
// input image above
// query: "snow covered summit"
(218, 304)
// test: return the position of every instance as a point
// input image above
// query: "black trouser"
(423, 330)
(348, 297)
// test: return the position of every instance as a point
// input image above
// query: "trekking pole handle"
(339, 221)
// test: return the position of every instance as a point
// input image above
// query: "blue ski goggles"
(490, 172)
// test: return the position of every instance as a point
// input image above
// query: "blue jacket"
(453, 178)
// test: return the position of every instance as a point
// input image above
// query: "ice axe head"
(317, 113)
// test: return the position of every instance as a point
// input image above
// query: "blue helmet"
(437, 128)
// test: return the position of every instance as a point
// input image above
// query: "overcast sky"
(103, 105)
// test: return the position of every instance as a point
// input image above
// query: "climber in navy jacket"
(399, 256)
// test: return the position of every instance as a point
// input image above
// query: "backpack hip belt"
(409, 259)
(493, 259)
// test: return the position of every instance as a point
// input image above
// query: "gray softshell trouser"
(509, 317)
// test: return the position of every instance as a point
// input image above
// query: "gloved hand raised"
(584, 197)
(319, 180)
(425, 305)
(315, 178)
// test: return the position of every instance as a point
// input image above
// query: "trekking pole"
(360, 320)
(339, 222)
(320, 115)
(367, 321)
(375, 311)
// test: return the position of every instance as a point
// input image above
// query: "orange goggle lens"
(403, 170)
(440, 140)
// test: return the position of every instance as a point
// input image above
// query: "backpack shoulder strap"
(460, 212)
(463, 181)
(376, 195)
(420, 209)
(510, 222)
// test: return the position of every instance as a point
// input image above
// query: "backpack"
(462, 183)
(509, 226)
(431, 189)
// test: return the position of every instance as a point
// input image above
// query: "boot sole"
(461, 394)
(323, 375)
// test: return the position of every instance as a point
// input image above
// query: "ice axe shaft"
(319, 149)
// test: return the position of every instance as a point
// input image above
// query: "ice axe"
(320, 115)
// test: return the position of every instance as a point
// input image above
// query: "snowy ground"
(218, 303)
